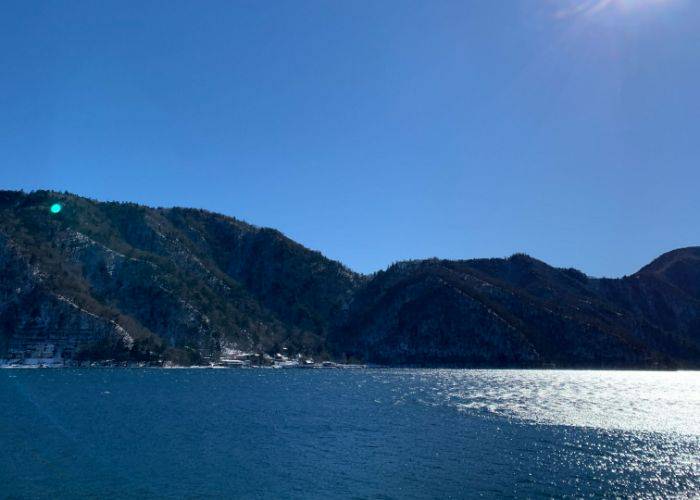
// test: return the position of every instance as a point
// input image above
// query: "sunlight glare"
(592, 7)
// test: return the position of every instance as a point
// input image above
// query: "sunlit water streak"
(666, 402)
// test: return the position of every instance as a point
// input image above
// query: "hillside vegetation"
(127, 282)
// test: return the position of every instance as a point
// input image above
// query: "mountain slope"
(183, 283)
(128, 282)
(519, 312)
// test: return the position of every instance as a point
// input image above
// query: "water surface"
(348, 434)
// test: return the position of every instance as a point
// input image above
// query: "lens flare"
(56, 207)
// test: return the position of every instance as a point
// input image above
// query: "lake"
(195, 433)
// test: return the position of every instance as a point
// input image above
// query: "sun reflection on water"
(667, 402)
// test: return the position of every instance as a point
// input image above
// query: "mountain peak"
(669, 258)
(680, 268)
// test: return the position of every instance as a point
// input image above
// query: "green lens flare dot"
(55, 208)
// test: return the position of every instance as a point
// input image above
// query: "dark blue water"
(323, 433)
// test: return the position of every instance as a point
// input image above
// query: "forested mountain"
(174, 283)
(522, 312)
(128, 282)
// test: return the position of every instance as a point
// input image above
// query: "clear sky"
(372, 131)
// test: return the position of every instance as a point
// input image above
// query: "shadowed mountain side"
(519, 312)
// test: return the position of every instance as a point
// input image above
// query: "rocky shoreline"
(125, 364)
(234, 360)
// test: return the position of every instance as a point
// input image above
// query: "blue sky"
(372, 131)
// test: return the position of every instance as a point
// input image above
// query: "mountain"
(127, 282)
(123, 281)
(522, 312)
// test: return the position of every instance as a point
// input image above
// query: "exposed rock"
(181, 282)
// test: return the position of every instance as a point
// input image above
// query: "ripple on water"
(356, 433)
(664, 402)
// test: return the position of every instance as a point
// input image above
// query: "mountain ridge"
(110, 280)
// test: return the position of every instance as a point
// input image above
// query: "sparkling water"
(193, 433)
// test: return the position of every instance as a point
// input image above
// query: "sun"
(629, 5)
(593, 7)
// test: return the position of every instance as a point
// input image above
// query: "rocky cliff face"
(182, 284)
(122, 281)
(37, 322)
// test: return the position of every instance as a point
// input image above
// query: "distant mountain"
(127, 282)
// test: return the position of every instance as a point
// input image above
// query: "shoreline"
(334, 366)
(127, 365)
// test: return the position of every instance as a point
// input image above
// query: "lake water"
(197, 433)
